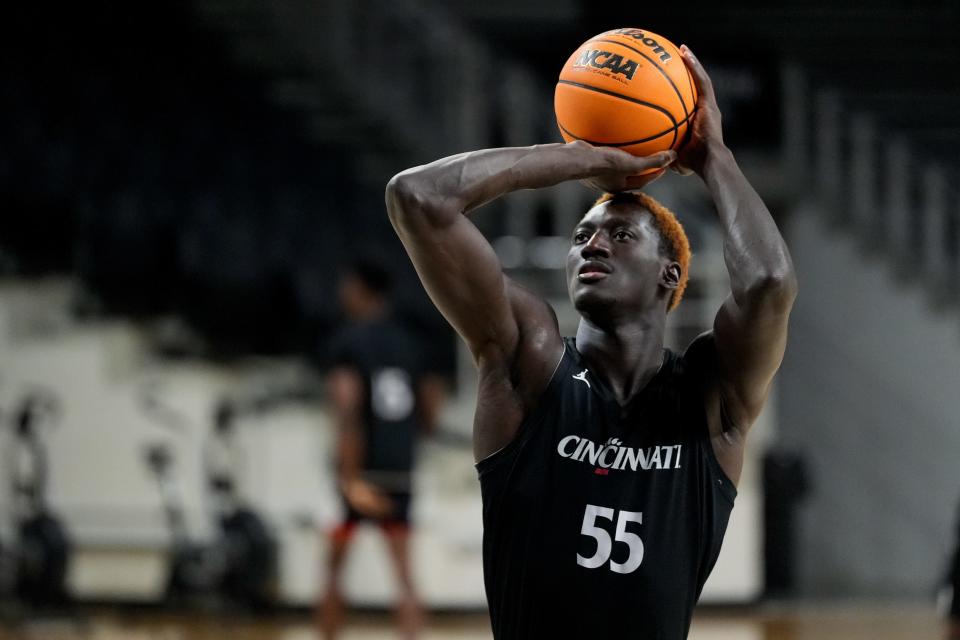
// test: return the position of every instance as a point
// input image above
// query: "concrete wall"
(870, 392)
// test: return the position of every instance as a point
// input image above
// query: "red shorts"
(398, 521)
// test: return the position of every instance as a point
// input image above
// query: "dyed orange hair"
(672, 235)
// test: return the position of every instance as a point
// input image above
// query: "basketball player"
(380, 402)
(608, 465)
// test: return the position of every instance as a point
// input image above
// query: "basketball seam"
(621, 96)
(676, 89)
(615, 144)
(627, 144)
(629, 99)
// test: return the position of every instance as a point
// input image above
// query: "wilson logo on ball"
(600, 59)
(626, 88)
(646, 40)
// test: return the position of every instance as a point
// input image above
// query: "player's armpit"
(510, 389)
(749, 342)
(727, 433)
(540, 345)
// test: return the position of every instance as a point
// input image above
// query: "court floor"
(873, 622)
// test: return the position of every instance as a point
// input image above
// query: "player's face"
(614, 259)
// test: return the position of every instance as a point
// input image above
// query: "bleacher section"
(139, 156)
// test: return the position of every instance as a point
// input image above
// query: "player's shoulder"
(527, 368)
(538, 329)
(535, 317)
(525, 298)
(698, 361)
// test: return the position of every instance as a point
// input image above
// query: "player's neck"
(626, 356)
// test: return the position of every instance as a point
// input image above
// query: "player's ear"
(670, 275)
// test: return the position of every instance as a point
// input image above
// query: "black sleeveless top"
(386, 358)
(602, 521)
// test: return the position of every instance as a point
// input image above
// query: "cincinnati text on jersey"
(611, 455)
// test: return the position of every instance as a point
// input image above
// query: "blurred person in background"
(382, 399)
(607, 464)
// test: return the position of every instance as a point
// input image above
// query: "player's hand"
(368, 499)
(706, 130)
(619, 170)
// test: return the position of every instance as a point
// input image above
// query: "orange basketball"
(626, 88)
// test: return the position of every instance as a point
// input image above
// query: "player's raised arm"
(511, 332)
(750, 329)
(455, 262)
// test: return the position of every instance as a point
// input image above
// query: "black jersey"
(602, 521)
(385, 356)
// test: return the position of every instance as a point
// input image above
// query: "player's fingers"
(658, 160)
(639, 182)
(704, 83)
(680, 169)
